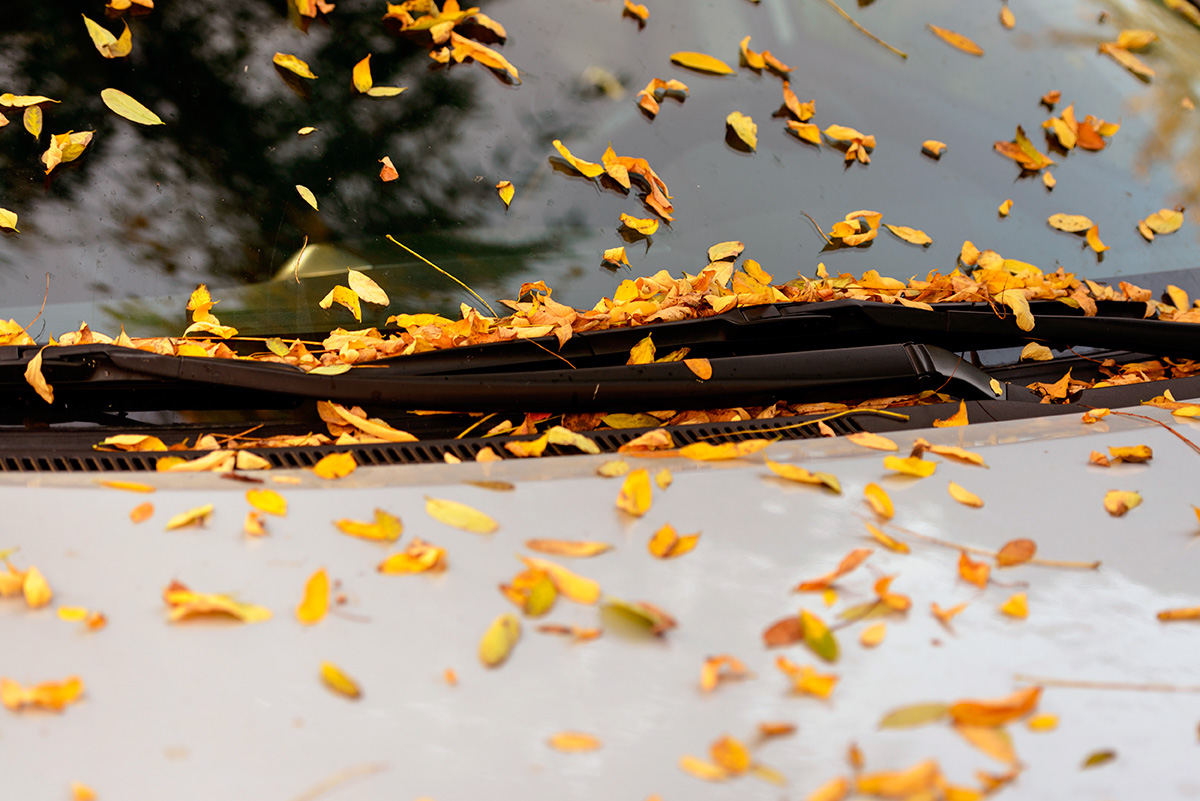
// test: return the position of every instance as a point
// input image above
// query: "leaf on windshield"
(744, 128)
(507, 191)
(386, 528)
(499, 640)
(344, 296)
(196, 516)
(8, 220)
(973, 572)
(805, 678)
(463, 48)
(335, 465)
(315, 603)
(183, 604)
(910, 235)
(667, 544)
(637, 11)
(1093, 239)
(701, 63)
(1022, 151)
(367, 290)
(109, 46)
(1118, 502)
(35, 378)
(32, 119)
(1071, 223)
(956, 40)
(50, 695)
(125, 106)
(620, 168)
(388, 171)
(293, 64)
(849, 562)
(418, 557)
(615, 256)
(308, 196)
(338, 681)
(66, 147)
(798, 474)
(1127, 60)
(586, 168)
(460, 516)
(1163, 221)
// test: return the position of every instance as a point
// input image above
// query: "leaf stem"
(863, 30)
(443, 272)
(1087, 684)
(985, 551)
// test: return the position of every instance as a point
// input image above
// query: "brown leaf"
(1016, 552)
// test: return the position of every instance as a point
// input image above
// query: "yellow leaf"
(125, 106)
(1016, 552)
(842, 133)
(964, 496)
(580, 589)
(361, 75)
(507, 191)
(335, 465)
(667, 544)
(418, 557)
(367, 290)
(615, 256)
(1006, 206)
(637, 11)
(108, 45)
(959, 418)
(717, 668)
(1035, 351)
(51, 695)
(849, 562)
(253, 524)
(586, 168)
(873, 635)
(1136, 39)
(1093, 239)
(917, 782)
(8, 220)
(1164, 221)
(9, 100)
(36, 589)
(81, 792)
(645, 227)
(805, 130)
(315, 604)
(32, 118)
(705, 452)
(464, 48)
(344, 296)
(748, 57)
(572, 548)
(311, 200)
(887, 541)
(1132, 453)
(385, 91)
(614, 468)
(386, 528)
(798, 474)
(1015, 299)
(460, 516)
(499, 639)
(944, 616)
(1118, 502)
(869, 440)
(336, 680)
(635, 495)
(35, 379)
(267, 500)
(1127, 60)
(293, 64)
(701, 63)
(744, 128)
(731, 754)
(1071, 223)
(574, 742)
(910, 466)
(72, 614)
(911, 235)
(957, 40)
(1042, 722)
(184, 603)
(805, 679)
(1016, 606)
(192, 517)
(306, 130)
(996, 743)
(832, 790)
(1007, 19)
(702, 769)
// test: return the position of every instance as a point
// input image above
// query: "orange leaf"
(573, 548)
(1118, 502)
(807, 680)
(1016, 552)
(37, 590)
(731, 754)
(776, 728)
(388, 171)
(705, 452)
(832, 790)
(701, 367)
(888, 541)
(919, 780)
(142, 512)
(944, 616)
(959, 418)
(719, 668)
(997, 712)
(974, 572)
(849, 562)
(386, 528)
(335, 465)
(957, 40)
(316, 599)
(574, 742)
(666, 544)
(51, 695)
(183, 603)
(702, 769)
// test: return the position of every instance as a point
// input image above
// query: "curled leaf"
(293, 64)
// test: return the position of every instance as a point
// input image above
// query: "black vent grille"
(426, 452)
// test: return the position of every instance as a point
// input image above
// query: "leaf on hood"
(869, 440)
(36, 589)
(667, 544)
(818, 637)
(873, 635)
(338, 681)
(108, 45)
(1163, 221)
(507, 191)
(388, 171)
(702, 769)
(910, 465)
(1118, 502)
(701, 63)
(996, 712)
(1132, 454)
(141, 513)
(964, 496)
(293, 64)
(460, 515)
(418, 557)
(805, 678)
(888, 541)
(1007, 19)
(1016, 606)
(798, 474)
(50, 695)
(125, 106)
(66, 147)
(635, 495)
(1093, 239)
(920, 780)
(910, 235)
(1097, 758)
(832, 790)
(644, 613)
(849, 562)
(744, 128)
(499, 640)
(192, 517)
(944, 616)
(267, 500)
(1042, 722)
(575, 742)
(956, 40)
(182, 603)
(731, 754)
(1127, 60)
(1016, 552)
(315, 603)
(908, 717)
(386, 528)
(335, 465)
(1182, 613)
(805, 131)
(572, 548)
(976, 573)
(706, 452)
(8, 220)
(580, 589)
(723, 667)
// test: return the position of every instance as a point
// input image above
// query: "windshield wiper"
(759, 354)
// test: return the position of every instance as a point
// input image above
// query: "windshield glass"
(126, 230)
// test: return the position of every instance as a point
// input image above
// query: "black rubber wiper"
(760, 354)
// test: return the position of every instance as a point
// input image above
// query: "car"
(449, 421)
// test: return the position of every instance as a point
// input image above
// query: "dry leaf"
(805, 679)
(36, 589)
(192, 517)
(577, 588)
(1118, 502)
(964, 496)
(1042, 722)
(996, 743)
(702, 769)
(1093, 239)
(1127, 60)
(311, 200)
(507, 191)
(50, 695)
(705, 452)
(268, 501)
(944, 616)
(1071, 223)
(336, 680)
(615, 256)
(1006, 17)
(586, 168)
(657, 621)
(721, 668)
(572, 548)
(869, 440)
(667, 544)
(388, 171)
(142, 512)
(1163, 221)
(32, 119)
(849, 562)
(934, 148)
(873, 635)
(959, 418)
(386, 528)
(1186, 613)
(1036, 351)
(888, 541)
(183, 603)
(910, 235)
(463, 48)
(1016, 552)
(8, 219)
(335, 465)
(701, 368)
(108, 45)
(35, 379)
(744, 128)
(293, 64)
(918, 781)
(499, 640)
(1016, 606)
(125, 106)
(636, 10)
(701, 63)
(418, 557)
(832, 790)
(798, 474)
(910, 466)
(974, 572)
(997, 712)
(574, 742)
(957, 40)
(635, 496)
(907, 717)
(1006, 207)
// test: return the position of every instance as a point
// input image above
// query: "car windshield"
(122, 234)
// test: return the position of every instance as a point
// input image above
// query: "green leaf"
(127, 107)
(907, 717)
(818, 637)
(498, 641)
